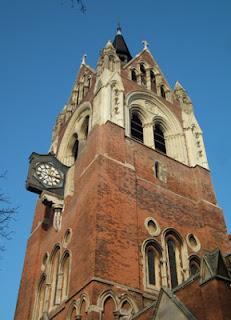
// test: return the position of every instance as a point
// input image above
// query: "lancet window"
(65, 274)
(133, 75)
(153, 81)
(162, 91)
(75, 147)
(143, 74)
(152, 261)
(171, 244)
(159, 139)
(136, 126)
(40, 303)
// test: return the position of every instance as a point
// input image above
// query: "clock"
(48, 175)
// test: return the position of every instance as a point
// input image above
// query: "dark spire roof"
(121, 47)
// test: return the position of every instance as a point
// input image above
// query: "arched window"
(83, 311)
(65, 271)
(162, 91)
(151, 265)
(143, 74)
(152, 257)
(133, 75)
(86, 126)
(54, 270)
(75, 147)
(136, 126)
(172, 262)
(109, 308)
(159, 140)
(40, 303)
(194, 265)
(153, 81)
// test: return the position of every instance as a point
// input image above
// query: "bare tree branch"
(79, 3)
(7, 216)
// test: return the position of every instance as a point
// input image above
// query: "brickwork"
(111, 193)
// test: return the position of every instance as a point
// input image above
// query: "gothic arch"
(74, 127)
(152, 273)
(73, 310)
(153, 109)
(104, 296)
(127, 307)
(84, 305)
(65, 271)
(54, 262)
(176, 255)
(40, 297)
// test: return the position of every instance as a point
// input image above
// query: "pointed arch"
(175, 251)
(108, 304)
(73, 310)
(40, 299)
(133, 75)
(162, 91)
(109, 308)
(153, 81)
(136, 125)
(65, 270)
(53, 275)
(143, 74)
(152, 252)
(154, 110)
(84, 305)
(159, 137)
(78, 128)
(127, 307)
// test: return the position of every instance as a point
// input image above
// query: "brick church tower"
(127, 225)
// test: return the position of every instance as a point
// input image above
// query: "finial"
(146, 44)
(84, 59)
(119, 29)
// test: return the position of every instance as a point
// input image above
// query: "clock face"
(48, 175)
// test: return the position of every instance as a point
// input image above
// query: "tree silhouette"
(7, 216)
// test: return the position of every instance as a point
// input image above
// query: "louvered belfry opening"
(159, 139)
(136, 127)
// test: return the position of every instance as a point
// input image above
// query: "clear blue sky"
(41, 45)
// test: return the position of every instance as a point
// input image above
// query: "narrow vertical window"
(39, 308)
(54, 276)
(153, 81)
(65, 275)
(159, 140)
(133, 75)
(151, 265)
(86, 126)
(172, 262)
(75, 148)
(157, 167)
(136, 127)
(162, 91)
(143, 74)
